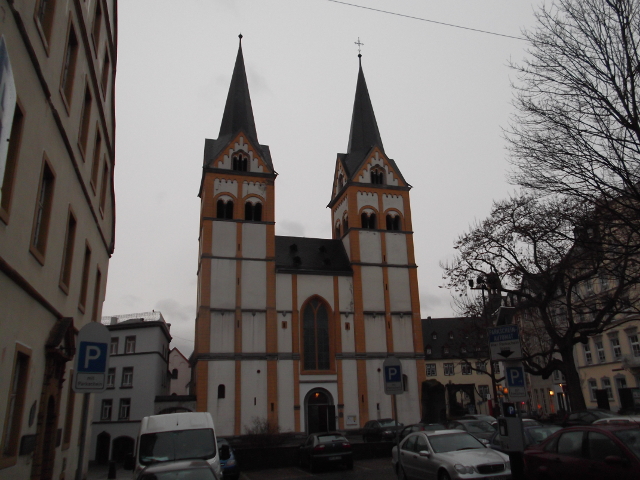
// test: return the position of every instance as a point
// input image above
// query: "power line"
(427, 20)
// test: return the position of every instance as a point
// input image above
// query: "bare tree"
(549, 255)
(576, 132)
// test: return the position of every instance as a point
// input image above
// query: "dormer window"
(369, 220)
(451, 335)
(377, 176)
(253, 212)
(434, 335)
(240, 163)
(224, 209)
(393, 222)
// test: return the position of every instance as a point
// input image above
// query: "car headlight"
(464, 469)
(387, 432)
(507, 465)
(230, 463)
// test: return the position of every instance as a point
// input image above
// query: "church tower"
(234, 355)
(371, 215)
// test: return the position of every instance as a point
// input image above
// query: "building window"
(621, 382)
(103, 186)
(95, 309)
(434, 335)
(369, 220)
(377, 176)
(431, 370)
(130, 345)
(253, 212)
(224, 209)
(606, 385)
(587, 354)
(635, 345)
(616, 349)
(67, 252)
(481, 367)
(483, 390)
(85, 121)
(600, 351)
(111, 374)
(15, 406)
(240, 163)
(427, 350)
(127, 377)
(221, 391)
(97, 26)
(345, 222)
(69, 66)
(42, 213)
(445, 350)
(450, 335)
(174, 373)
(44, 18)
(496, 367)
(114, 346)
(593, 386)
(106, 68)
(466, 368)
(393, 222)
(125, 409)
(316, 336)
(85, 278)
(449, 369)
(95, 166)
(105, 411)
(7, 183)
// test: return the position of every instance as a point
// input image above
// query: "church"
(292, 332)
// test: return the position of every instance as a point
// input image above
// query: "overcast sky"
(441, 96)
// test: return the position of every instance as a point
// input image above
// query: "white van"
(177, 436)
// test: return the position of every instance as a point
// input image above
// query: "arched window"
(253, 212)
(240, 163)
(377, 176)
(224, 209)
(174, 373)
(221, 391)
(393, 222)
(338, 230)
(345, 222)
(369, 220)
(340, 182)
(315, 326)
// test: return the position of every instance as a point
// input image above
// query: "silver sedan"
(448, 454)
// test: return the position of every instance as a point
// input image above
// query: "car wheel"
(401, 474)
(444, 475)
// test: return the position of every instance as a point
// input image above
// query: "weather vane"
(359, 43)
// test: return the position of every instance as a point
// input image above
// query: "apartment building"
(57, 223)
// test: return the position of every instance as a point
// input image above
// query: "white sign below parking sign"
(92, 359)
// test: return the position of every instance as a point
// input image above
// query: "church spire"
(238, 114)
(364, 132)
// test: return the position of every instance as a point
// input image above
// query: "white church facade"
(294, 331)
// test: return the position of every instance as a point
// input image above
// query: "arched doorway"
(103, 445)
(320, 411)
(122, 447)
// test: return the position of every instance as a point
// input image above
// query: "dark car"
(228, 462)
(586, 417)
(383, 430)
(592, 452)
(420, 427)
(533, 435)
(327, 448)
(480, 429)
(182, 469)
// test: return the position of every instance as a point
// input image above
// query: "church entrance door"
(320, 411)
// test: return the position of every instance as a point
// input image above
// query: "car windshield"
(435, 426)
(331, 438)
(388, 423)
(453, 442)
(631, 438)
(191, 474)
(177, 445)
(479, 427)
(538, 434)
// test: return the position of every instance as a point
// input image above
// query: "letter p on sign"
(92, 357)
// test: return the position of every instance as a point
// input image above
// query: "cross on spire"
(359, 43)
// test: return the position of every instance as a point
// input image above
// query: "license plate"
(334, 458)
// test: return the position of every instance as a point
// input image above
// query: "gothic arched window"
(345, 222)
(369, 220)
(377, 176)
(338, 230)
(253, 212)
(224, 209)
(315, 331)
(240, 163)
(393, 222)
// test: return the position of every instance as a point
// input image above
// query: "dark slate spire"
(238, 114)
(364, 132)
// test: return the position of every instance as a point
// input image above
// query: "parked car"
(420, 427)
(526, 422)
(327, 448)
(182, 469)
(446, 455)
(622, 420)
(586, 417)
(590, 452)
(486, 418)
(480, 429)
(228, 462)
(382, 430)
(533, 435)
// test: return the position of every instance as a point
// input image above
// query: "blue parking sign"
(92, 357)
(515, 376)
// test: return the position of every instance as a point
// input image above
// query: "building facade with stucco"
(291, 331)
